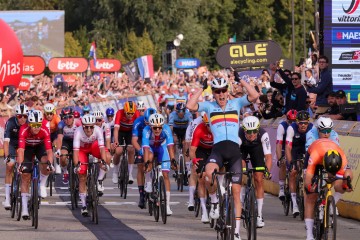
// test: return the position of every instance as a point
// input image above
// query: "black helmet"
(302, 116)
(332, 161)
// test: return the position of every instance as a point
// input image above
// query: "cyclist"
(106, 130)
(295, 148)
(224, 123)
(88, 139)
(280, 149)
(157, 140)
(181, 97)
(11, 138)
(140, 105)
(124, 121)
(52, 120)
(34, 139)
(256, 143)
(170, 100)
(139, 125)
(66, 130)
(200, 150)
(110, 112)
(327, 154)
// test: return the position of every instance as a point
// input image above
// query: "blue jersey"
(150, 140)
(170, 99)
(11, 132)
(224, 124)
(177, 122)
(313, 135)
(181, 99)
(138, 127)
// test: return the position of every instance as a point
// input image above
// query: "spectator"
(340, 100)
(323, 87)
(334, 108)
(298, 94)
(5, 109)
(276, 109)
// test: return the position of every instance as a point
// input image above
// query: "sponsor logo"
(68, 65)
(345, 35)
(187, 63)
(8, 68)
(345, 11)
(33, 65)
(105, 65)
(354, 55)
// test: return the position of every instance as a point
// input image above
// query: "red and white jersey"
(27, 139)
(105, 127)
(83, 141)
(123, 122)
(202, 137)
(45, 124)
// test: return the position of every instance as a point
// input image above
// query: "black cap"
(340, 94)
(331, 94)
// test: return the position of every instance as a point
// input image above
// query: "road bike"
(181, 174)
(123, 173)
(73, 181)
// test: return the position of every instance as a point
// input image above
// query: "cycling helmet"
(302, 116)
(291, 115)
(324, 122)
(148, 113)
(21, 109)
(180, 106)
(219, 83)
(76, 114)
(35, 116)
(98, 114)
(156, 120)
(88, 119)
(49, 107)
(205, 117)
(67, 111)
(251, 123)
(140, 105)
(332, 161)
(86, 109)
(129, 107)
(110, 111)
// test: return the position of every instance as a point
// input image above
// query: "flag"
(92, 53)
(131, 70)
(146, 66)
(232, 39)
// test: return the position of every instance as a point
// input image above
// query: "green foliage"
(72, 46)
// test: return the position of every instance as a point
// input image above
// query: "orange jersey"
(54, 123)
(317, 151)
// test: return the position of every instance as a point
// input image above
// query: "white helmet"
(98, 114)
(251, 123)
(88, 119)
(21, 109)
(156, 119)
(324, 122)
(140, 105)
(35, 116)
(219, 83)
(49, 107)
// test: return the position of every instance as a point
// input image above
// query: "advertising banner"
(248, 54)
(183, 63)
(68, 65)
(33, 65)
(105, 65)
(24, 84)
(346, 55)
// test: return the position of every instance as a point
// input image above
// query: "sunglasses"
(325, 130)
(303, 123)
(99, 120)
(35, 125)
(156, 128)
(295, 78)
(252, 131)
(130, 114)
(88, 127)
(49, 113)
(141, 110)
(218, 91)
(20, 116)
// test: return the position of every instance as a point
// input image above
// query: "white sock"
(337, 196)
(43, 179)
(214, 198)
(24, 200)
(148, 177)
(281, 183)
(168, 199)
(116, 169)
(101, 174)
(65, 170)
(191, 194)
(203, 205)
(237, 227)
(242, 194)
(260, 203)
(309, 227)
(83, 199)
(130, 168)
(293, 199)
(7, 191)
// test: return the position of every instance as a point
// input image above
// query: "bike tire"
(18, 201)
(197, 204)
(71, 185)
(300, 196)
(156, 205)
(121, 178)
(231, 223)
(13, 195)
(163, 201)
(318, 223)
(286, 202)
(126, 180)
(182, 171)
(51, 183)
(250, 209)
(95, 203)
(330, 224)
(35, 203)
(149, 203)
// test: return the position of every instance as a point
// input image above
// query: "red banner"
(105, 65)
(70, 79)
(24, 84)
(33, 65)
(68, 65)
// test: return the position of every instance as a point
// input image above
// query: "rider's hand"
(77, 168)
(147, 166)
(173, 164)
(50, 167)
(267, 174)
(281, 161)
(57, 153)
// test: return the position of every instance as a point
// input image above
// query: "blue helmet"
(180, 106)
(110, 111)
(86, 109)
(148, 112)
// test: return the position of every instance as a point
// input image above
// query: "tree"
(72, 46)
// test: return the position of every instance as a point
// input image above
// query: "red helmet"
(291, 115)
(76, 114)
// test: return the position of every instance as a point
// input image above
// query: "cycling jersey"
(281, 133)
(11, 132)
(181, 99)
(202, 137)
(111, 124)
(177, 122)
(27, 139)
(317, 151)
(313, 135)
(191, 127)
(294, 137)
(170, 99)
(83, 141)
(123, 122)
(106, 130)
(138, 128)
(66, 131)
(224, 123)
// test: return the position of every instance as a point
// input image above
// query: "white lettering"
(23, 84)
(104, 65)
(68, 65)
(8, 68)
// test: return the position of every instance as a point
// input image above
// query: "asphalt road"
(122, 219)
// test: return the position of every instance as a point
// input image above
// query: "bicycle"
(15, 192)
(324, 221)
(123, 173)
(299, 163)
(287, 203)
(181, 173)
(73, 181)
(197, 204)
(250, 204)
(52, 176)
(225, 224)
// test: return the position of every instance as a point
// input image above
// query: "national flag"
(232, 39)
(146, 66)
(92, 53)
(131, 70)
(220, 117)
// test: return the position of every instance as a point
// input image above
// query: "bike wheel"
(156, 202)
(330, 219)
(149, 204)
(163, 201)
(13, 195)
(181, 172)
(250, 209)
(18, 206)
(126, 179)
(121, 178)
(95, 202)
(318, 223)
(196, 201)
(300, 196)
(35, 203)
(51, 183)
(286, 202)
(71, 186)
(230, 223)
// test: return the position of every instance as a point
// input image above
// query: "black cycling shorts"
(38, 151)
(67, 144)
(226, 153)
(125, 137)
(180, 133)
(203, 153)
(256, 154)
(12, 151)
